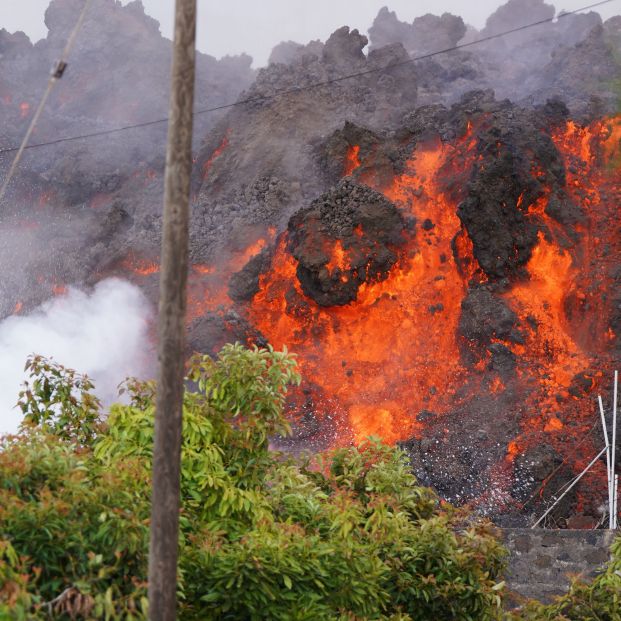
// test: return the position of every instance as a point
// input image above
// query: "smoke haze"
(241, 26)
(102, 334)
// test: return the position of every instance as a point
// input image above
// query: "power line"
(57, 73)
(299, 89)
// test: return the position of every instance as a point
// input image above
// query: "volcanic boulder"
(484, 318)
(517, 164)
(343, 239)
(344, 47)
(428, 33)
(360, 152)
(244, 284)
(210, 332)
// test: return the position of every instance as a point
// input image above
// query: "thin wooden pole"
(163, 549)
(616, 509)
(608, 469)
(570, 487)
(613, 464)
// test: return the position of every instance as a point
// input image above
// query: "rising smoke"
(102, 333)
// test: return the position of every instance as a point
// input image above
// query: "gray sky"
(255, 26)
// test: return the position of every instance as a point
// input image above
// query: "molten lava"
(338, 259)
(140, 266)
(352, 160)
(215, 155)
(393, 352)
(393, 362)
(208, 284)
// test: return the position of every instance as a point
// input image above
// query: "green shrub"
(348, 535)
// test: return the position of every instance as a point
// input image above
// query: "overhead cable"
(57, 74)
(299, 89)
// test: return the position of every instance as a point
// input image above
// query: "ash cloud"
(103, 333)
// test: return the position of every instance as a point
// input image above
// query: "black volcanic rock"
(209, 333)
(538, 477)
(334, 151)
(457, 452)
(344, 48)
(428, 33)
(485, 316)
(363, 222)
(511, 146)
(244, 284)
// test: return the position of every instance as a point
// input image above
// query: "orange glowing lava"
(339, 260)
(352, 160)
(215, 155)
(208, 289)
(393, 352)
(372, 365)
(203, 269)
(140, 266)
(564, 301)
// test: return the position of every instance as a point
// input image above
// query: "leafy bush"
(59, 401)
(347, 535)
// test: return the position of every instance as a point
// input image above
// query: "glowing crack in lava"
(352, 160)
(215, 155)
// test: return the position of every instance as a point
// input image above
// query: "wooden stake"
(613, 462)
(570, 487)
(163, 550)
(608, 468)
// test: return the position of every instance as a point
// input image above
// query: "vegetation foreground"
(347, 535)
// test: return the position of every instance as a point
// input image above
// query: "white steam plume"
(103, 334)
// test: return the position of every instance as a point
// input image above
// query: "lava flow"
(378, 326)
(392, 352)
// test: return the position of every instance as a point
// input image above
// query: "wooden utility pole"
(163, 550)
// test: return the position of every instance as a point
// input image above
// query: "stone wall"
(541, 560)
